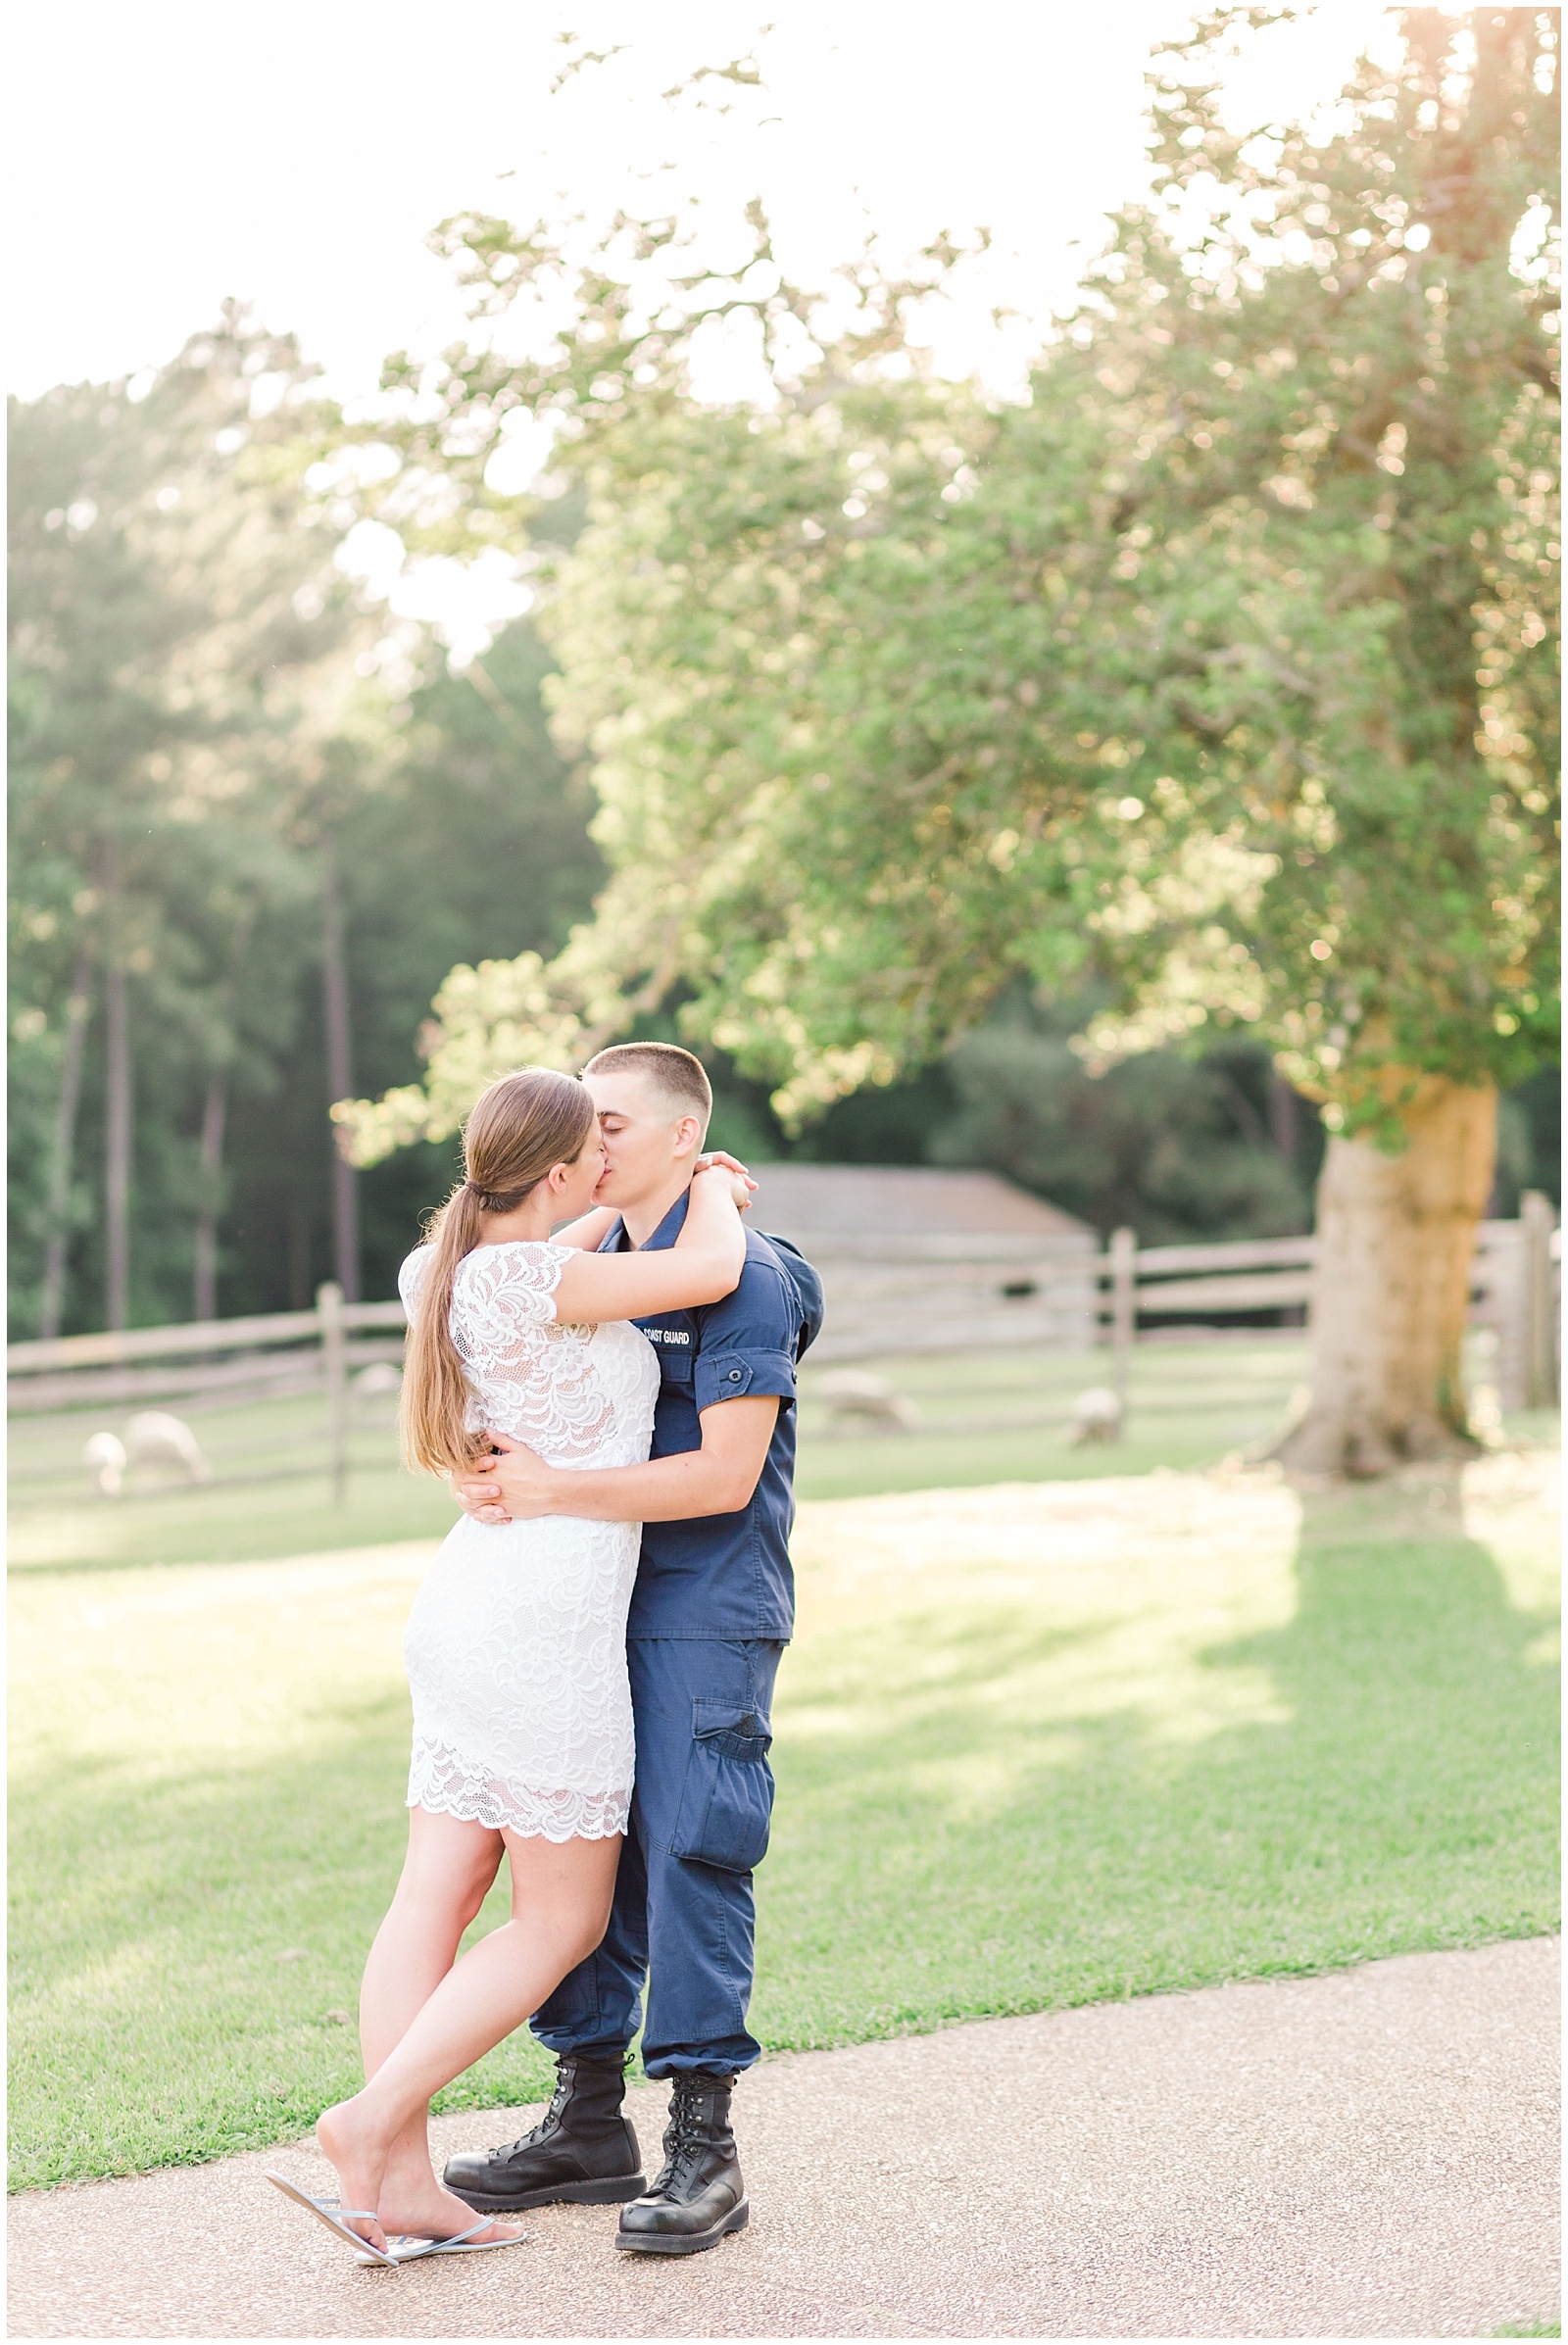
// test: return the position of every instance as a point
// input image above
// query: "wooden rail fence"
(1515, 1284)
(916, 1295)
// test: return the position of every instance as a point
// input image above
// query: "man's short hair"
(671, 1070)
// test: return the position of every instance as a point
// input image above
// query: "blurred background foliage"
(187, 746)
(460, 834)
(1179, 1147)
(1219, 670)
(243, 791)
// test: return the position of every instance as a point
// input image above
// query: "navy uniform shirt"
(726, 1575)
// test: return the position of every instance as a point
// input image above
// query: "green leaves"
(1221, 667)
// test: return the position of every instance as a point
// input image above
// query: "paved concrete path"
(1371, 2154)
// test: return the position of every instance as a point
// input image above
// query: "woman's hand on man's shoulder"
(741, 1186)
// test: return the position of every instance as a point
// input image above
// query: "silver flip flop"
(463, 2243)
(337, 2218)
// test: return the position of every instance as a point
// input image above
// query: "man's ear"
(688, 1135)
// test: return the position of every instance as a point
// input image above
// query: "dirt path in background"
(1370, 2154)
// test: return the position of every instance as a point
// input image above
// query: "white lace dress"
(517, 1643)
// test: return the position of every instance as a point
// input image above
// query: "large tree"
(1223, 667)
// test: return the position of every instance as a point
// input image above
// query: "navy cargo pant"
(683, 1917)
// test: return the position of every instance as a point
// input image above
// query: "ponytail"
(520, 1126)
(433, 1410)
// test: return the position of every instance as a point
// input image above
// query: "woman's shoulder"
(522, 1254)
(411, 1274)
(526, 1267)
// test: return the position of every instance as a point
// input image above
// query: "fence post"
(334, 1360)
(1123, 1312)
(1541, 1349)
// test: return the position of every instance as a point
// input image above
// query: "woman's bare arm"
(588, 1233)
(704, 1264)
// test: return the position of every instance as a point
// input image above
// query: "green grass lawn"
(1035, 1746)
(1003, 1415)
(58, 1524)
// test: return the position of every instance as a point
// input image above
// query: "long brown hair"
(523, 1125)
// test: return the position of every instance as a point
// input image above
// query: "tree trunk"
(211, 1162)
(1395, 1237)
(1284, 1120)
(340, 1080)
(214, 1117)
(51, 1304)
(118, 1128)
(296, 1246)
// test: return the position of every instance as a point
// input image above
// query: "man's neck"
(644, 1214)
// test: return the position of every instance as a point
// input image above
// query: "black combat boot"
(698, 2196)
(582, 2150)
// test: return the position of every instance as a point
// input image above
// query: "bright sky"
(164, 154)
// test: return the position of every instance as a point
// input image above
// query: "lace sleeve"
(410, 1278)
(504, 1301)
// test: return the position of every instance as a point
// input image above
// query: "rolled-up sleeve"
(749, 1341)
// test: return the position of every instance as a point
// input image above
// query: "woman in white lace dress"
(515, 1647)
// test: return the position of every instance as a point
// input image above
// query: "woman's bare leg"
(560, 1895)
(446, 1875)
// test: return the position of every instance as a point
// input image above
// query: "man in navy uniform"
(710, 1614)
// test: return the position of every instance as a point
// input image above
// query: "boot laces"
(536, 2133)
(683, 2136)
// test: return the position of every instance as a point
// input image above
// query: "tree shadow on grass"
(1395, 1790)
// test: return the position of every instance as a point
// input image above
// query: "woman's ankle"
(356, 2117)
(385, 2117)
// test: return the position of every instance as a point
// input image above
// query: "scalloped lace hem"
(445, 1783)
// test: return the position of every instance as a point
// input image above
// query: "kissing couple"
(591, 1656)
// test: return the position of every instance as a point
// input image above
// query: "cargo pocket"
(727, 1798)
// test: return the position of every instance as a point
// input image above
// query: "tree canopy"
(1221, 668)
